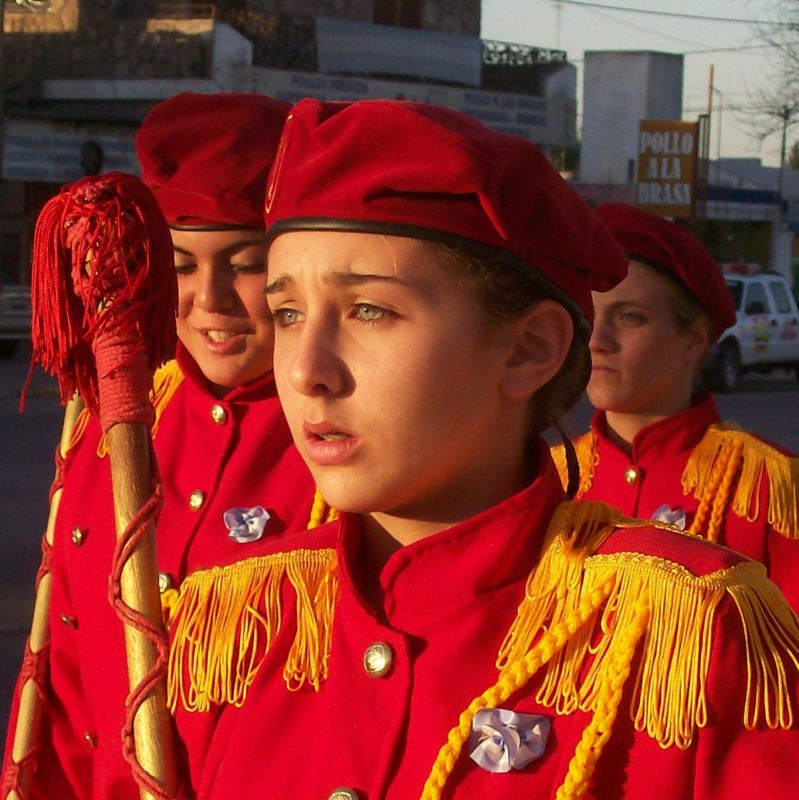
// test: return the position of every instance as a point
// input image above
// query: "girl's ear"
(540, 341)
(699, 336)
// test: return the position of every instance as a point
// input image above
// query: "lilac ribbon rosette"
(676, 517)
(503, 740)
(246, 524)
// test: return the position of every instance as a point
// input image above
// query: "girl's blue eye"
(369, 313)
(285, 317)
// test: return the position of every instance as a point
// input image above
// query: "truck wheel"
(728, 369)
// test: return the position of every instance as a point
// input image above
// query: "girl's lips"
(223, 343)
(327, 447)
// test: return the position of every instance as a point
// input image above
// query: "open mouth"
(326, 445)
(221, 336)
(332, 437)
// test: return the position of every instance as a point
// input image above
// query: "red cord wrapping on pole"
(125, 546)
(104, 294)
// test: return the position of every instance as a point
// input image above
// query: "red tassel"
(104, 293)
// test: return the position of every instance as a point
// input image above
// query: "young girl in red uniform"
(656, 449)
(230, 472)
(460, 631)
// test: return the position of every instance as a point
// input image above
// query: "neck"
(623, 428)
(452, 504)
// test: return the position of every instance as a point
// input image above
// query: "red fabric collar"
(491, 552)
(674, 434)
(260, 388)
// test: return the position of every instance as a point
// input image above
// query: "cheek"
(186, 291)
(253, 298)
(182, 326)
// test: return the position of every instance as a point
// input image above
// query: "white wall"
(620, 88)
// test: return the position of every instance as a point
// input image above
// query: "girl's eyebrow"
(619, 304)
(283, 282)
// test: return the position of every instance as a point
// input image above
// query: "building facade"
(79, 76)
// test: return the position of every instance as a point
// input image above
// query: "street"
(766, 405)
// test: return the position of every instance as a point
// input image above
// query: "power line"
(735, 20)
(700, 52)
(627, 24)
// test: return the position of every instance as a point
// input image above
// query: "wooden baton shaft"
(31, 708)
(129, 450)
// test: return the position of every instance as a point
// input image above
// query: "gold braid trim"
(80, 428)
(751, 459)
(587, 460)
(585, 616)
(577, 529)
(227, 618)
(321, 512)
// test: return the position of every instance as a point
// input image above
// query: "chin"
(349, 499)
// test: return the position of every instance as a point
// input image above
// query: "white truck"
(766, 332)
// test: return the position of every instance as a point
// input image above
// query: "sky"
(741, 65)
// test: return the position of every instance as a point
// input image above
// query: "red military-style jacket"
(314, 692)
(213, 455)
(715, 479)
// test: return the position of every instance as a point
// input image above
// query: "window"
(737, 291)
(401, 13)
(780, 295)
(757, 299)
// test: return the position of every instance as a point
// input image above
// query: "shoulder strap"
(725, 470)
(587, 460)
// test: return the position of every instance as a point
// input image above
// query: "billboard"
(666, 178)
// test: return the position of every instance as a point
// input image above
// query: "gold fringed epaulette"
(585, 447)
(675, 612)
(727, 468)
(166, 381)
(225, 620)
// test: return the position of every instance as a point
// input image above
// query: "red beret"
(206, 157)
(673, 248)
(418, 170)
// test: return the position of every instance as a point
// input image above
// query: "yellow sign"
(667, 166)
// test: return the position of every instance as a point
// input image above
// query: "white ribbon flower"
(502, 740)
(676, 517)
(246, 524)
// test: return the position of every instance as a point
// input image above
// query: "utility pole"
(558, 10)
(785, 113)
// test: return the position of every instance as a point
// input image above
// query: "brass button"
(70, 622)
(90, 739)
(78, 537)
(196, 499)
(164, 582)
(377, 659)
(631, 475)
(342, 793)
(218, 414)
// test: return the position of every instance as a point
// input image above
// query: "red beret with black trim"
(673, 248)
(411, 169)
(206, 157)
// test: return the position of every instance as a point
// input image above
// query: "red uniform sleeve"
(733, 762)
